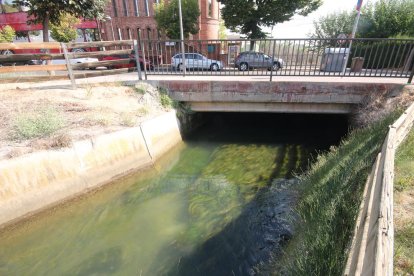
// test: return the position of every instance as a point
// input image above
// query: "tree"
(7, 34)
(248, 17)
(331, 25)
(167, 18)
(50, 11)
(66, 30)
(222, 29)
(382, 19)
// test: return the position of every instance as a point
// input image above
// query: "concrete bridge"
(278, 97)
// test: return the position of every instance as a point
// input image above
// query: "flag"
(359, 4)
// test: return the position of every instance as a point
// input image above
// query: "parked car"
(195, 61)
(132, 62)
(250, 60)
(74, 61)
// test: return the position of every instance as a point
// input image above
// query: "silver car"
(249, 60)
(195, 61)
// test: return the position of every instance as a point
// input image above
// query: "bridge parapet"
(284, 97)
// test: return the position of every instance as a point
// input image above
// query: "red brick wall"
(208, 25)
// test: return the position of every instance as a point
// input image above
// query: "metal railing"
(283, 57)
(386, 58)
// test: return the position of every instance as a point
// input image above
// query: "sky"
(300, 26)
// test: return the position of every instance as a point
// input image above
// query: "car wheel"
(214, 67)
(92, 68)
(243, 66)
(275, 66)
(7, 52)
(179, 68)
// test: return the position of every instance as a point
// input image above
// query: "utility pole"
(181, 37)
(354, 29)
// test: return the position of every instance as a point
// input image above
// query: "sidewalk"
(134, 77)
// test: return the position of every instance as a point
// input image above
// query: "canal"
(219, 204)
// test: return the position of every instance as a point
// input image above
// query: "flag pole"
(354, 29)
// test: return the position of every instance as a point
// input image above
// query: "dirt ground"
(83, 113)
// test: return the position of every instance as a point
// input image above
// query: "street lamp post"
(181, 36)
(112, 26)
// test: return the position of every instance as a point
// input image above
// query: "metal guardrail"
(372, 248)
(386, 58)
(392, 58)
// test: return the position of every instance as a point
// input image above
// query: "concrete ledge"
(35, 181)
(259, 96)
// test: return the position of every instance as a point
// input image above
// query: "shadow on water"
(264, 224)
(261, 230)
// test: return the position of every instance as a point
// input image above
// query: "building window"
(146, 8)
(211, 48)
(119, 34)
(126, 13)
(115, 9)
(210, 8)
(136, 8)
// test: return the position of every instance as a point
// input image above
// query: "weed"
(330, 197)
(139, 89)
(40, 123)
(89, 91)
(142, 111)
(128, 119)
(165, 100)
(404, 201)
(102, 119)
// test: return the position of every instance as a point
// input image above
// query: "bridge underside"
(272, 107)
(277, 97)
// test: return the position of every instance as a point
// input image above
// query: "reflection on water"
(217, 206)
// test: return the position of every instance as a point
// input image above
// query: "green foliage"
(330, 201)
(382, 54)
(41, 123)
(331, 25)
(65, 31)
(45, 11)
(382, 19)
(166, 15)
(7, 34)
(248, 17)
(165, 100)
(404, 164)
(404, 250)
(222, 29)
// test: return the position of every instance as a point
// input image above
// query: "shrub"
(7, 34)
(40, 123)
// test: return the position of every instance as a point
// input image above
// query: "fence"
(60, 60)
(386, 58)
(372, 248)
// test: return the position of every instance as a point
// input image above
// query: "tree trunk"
(252, 44)
(46, 28)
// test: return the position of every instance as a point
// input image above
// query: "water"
(217, 205)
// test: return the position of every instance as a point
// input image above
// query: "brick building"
(127, 18)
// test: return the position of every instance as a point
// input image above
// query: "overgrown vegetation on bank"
(404, 207)
(330, 196)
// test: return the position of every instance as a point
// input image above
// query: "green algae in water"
(146, 224)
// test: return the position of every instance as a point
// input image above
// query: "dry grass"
(404, 208)
(377, 106)
(91, 110)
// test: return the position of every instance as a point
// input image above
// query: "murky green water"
(217, 205)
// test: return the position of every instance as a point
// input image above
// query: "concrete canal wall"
(35, 181)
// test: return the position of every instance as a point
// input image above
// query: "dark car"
(132, 61)
(250, 60)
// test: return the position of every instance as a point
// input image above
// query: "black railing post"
(273, 60)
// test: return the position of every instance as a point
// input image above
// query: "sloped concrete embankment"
(35, 181)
